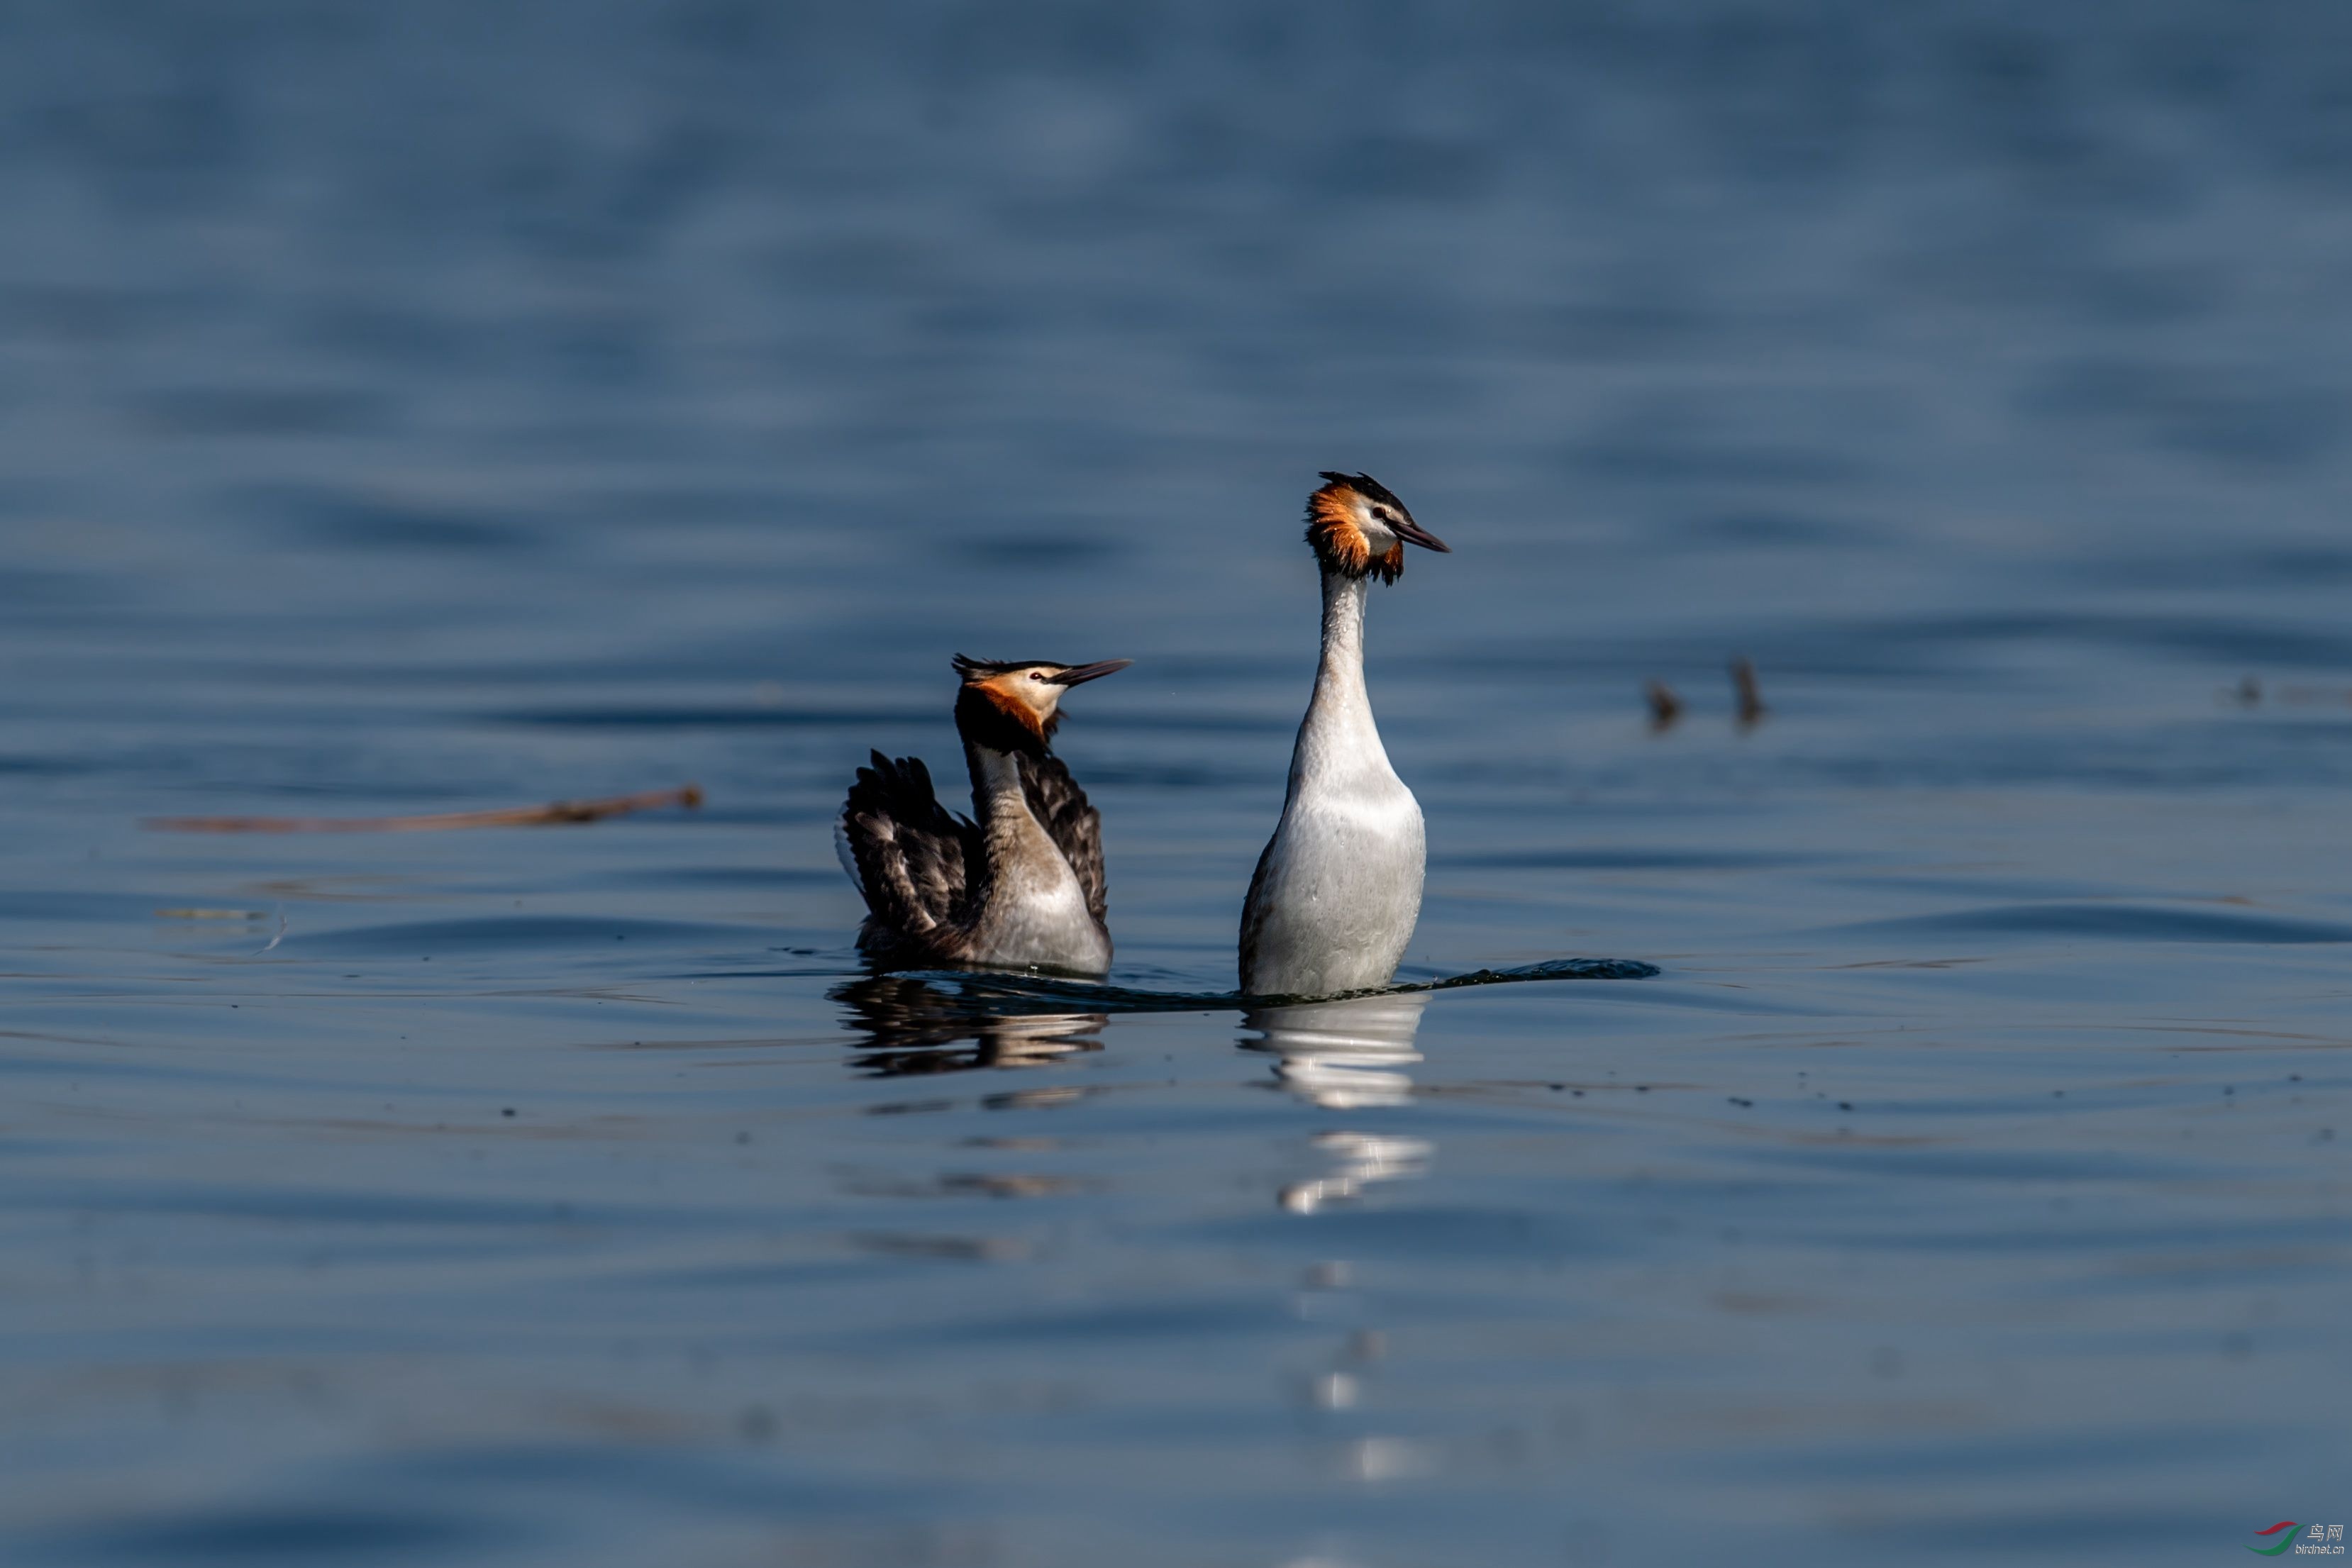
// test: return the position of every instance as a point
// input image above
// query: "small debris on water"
(1664, 707)
(1750, 695)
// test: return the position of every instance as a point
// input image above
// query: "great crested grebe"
(1023, 885)
(1339, 888)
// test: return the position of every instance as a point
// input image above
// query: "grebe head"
(1360, 528)
(1015, 704)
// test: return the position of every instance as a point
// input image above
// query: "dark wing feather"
(1075, 828)
(917, 863)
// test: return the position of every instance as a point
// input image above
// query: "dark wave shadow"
(1004, 992)
(958, 1020)
(2118, 922)
(570, 934)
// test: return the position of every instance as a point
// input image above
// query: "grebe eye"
(1036, 674)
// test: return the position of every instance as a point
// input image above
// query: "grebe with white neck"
(1023, 886)
(1337, 890)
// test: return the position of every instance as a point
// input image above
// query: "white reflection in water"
(1386, 1459)
(1336, 1391)
(1040, 1037)
(1362, 1159)
(1342, 1055)
(1346, 1056)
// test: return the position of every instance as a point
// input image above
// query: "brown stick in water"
(554, 813)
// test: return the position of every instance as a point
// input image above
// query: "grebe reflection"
(1346, 1056)
(1342, 1055)
(914, 1027)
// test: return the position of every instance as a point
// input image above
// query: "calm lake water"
(428, 407)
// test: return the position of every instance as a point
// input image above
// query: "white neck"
(1338, 890)
(996, 784)
(1020, 851)
(1339, 727)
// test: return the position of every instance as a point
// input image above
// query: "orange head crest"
(1359, 528)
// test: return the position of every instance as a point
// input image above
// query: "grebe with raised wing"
(1020, 887)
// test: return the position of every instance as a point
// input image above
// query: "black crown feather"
(1372, 489)
(967, 666)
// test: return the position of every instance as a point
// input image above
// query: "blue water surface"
(436, 406)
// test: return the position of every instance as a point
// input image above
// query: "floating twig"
(1664, 707)
(554, 813)
(1751, 698)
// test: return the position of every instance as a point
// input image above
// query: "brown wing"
(916, 862)
(1075, 827)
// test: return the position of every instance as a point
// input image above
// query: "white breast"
(1037, 913)
(1341, 890)
(1036, 917)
